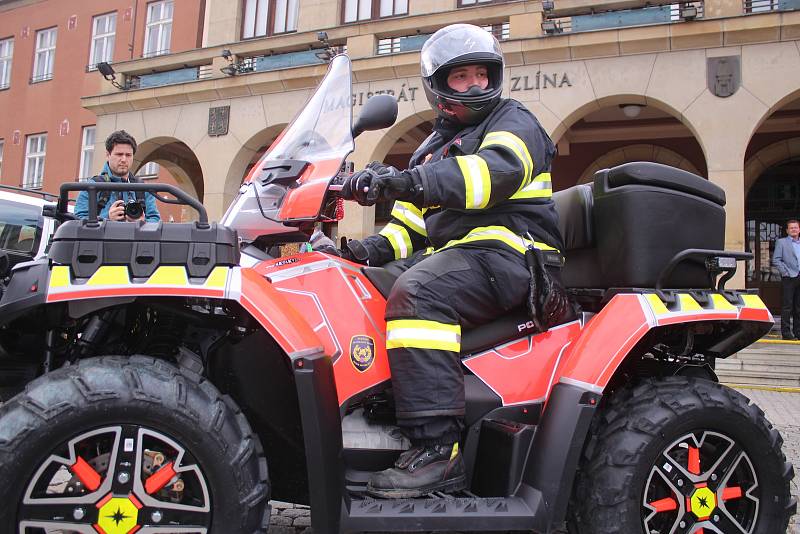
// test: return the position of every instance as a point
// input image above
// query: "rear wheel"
(120, 445)
(682, 456)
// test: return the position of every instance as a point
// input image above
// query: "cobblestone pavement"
(782, 409)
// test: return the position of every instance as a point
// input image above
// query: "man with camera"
(119, 206)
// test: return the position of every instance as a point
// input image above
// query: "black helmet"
(461, 44)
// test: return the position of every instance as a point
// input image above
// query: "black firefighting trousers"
(433, 299)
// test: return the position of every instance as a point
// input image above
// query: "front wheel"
(120, 445)
(682, 456)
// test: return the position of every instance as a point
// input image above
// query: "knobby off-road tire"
(663, 450)
(127, 442)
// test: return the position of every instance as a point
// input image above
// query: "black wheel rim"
(117, 480)
(703, 482)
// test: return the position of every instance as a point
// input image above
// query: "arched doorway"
(177, 165)
(772, 185)
(620, 133)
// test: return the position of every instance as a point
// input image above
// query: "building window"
(148, 171)
(87, 153)
(6, 52)
(36, 146)
(2, 145)
(357, 10)
(45, 55)
(158, 33)
(104, 29)
(268, 17)
(501, 31)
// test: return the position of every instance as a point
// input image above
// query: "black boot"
(419, 471)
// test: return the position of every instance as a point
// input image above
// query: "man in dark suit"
(787, 259)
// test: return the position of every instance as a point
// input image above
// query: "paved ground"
(782, 409)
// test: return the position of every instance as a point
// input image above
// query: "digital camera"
(134, 209)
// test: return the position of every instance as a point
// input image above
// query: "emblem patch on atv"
(362, 352)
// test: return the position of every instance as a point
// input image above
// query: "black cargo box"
(623, 229)
(144, 247)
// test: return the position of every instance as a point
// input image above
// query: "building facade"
(49, 51)
(709, 86)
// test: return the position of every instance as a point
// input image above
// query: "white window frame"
(361, 10)
(33, 175)
(88, 137)
(104, 32)
(6, 56)
(2, 146)
(269, 17)
(162, 26)
(148, 170)
(45, 55)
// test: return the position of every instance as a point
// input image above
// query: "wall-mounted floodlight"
(551, 27)
(688, 12)
(107, 71)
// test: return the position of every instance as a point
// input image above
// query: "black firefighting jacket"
(487, 185)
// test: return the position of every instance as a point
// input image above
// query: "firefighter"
(475, 198)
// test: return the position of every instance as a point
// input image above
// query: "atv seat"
(506, 328)
(624, 228)
(143, 247)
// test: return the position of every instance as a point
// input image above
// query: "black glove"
(355, 251)
(381, 182)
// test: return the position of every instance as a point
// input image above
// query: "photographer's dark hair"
(120, 137)
(792, 221)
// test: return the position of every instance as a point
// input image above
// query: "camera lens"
(134, 209)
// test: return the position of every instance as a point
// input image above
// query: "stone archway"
(182, 169)
(177, 158)
(247, 155)
(637, 152)
(622, 131)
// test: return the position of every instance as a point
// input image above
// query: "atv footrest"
(439, 511)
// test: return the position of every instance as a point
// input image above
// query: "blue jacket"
(785, 258)
(82, 203)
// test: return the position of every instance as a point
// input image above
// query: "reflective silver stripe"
(477, 185)
(399, 239)
(410, 215)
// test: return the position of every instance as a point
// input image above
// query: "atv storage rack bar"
(181, 197)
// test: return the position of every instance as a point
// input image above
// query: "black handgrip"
(698, 254)
(93, 187)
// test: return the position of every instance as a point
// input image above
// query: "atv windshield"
(290, 181)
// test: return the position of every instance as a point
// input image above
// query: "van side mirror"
(379, 112)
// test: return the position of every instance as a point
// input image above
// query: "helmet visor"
(450, 43)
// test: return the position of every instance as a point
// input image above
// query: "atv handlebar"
(181, 197)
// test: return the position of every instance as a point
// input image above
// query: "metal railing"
(409, 43)
(645, 16)
(169, 77)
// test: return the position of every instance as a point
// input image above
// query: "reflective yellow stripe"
(109, 275)
(540, 187)
(516, 146)
(217, 278)
(399, 239)
(476, 181)
(169, 275)
(719, 302)
(410, 215)
(688, 303)
(421, 334)
(498, 233)
(658, 307)
(753, 301)
(59, 276)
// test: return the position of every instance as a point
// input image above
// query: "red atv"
(176, 377)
